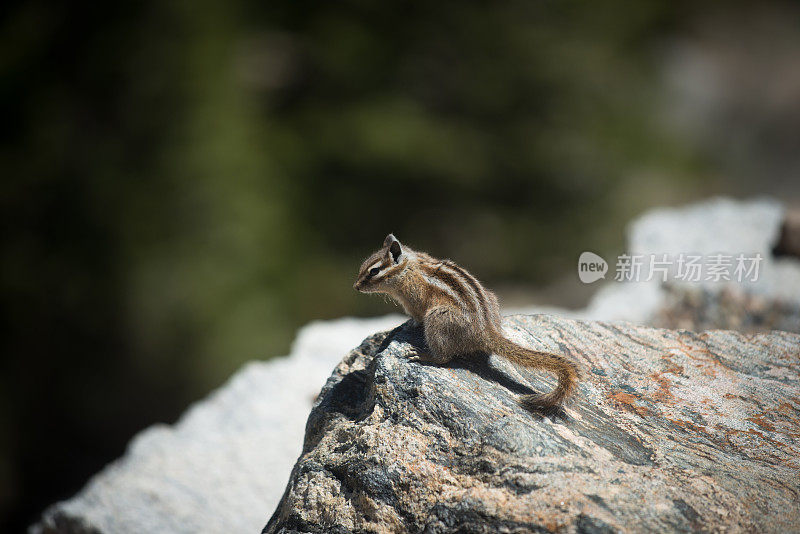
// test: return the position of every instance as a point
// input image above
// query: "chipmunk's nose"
(355, 286)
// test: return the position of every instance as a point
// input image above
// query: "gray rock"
(702, 309)
(224, 465)
(670, 431)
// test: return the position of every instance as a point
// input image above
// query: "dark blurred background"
(184, 184)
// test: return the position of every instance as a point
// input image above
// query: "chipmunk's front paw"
(420, 357)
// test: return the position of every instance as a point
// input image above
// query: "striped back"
(462, 289)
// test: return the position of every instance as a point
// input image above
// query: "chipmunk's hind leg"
(447, 333)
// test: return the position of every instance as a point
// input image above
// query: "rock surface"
(670, 431)
(701, 309)
(224, 465)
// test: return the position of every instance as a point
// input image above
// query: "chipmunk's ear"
(394, 247)
(395, 250)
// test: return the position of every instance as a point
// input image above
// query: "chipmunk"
(459, 316)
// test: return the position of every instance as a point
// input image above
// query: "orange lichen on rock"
(760, 421)
(688, 425)
(628, 402)
(663, 393)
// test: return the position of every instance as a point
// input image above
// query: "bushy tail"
(562, 367)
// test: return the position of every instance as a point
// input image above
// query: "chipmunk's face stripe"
(365, 280)
(375, 269)
(383, 267)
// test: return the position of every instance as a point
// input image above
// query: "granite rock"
(670, 431)
(703, 309)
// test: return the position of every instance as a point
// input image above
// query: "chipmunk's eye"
(374, 271)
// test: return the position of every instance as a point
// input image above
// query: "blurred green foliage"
(186, 183)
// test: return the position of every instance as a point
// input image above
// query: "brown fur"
(458, 315)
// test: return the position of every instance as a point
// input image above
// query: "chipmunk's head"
(378, 272)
